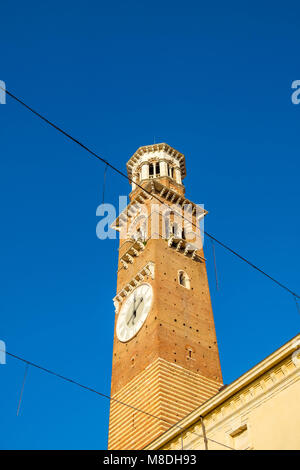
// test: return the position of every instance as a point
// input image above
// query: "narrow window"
(184, 280)
(140, 232)
(143, 229)
(181, 279)
(138, 235)
(157, 169)
(151, 170)
(175, 229)
(190, 353)
(167, 228)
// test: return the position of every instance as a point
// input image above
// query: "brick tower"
(165, 353)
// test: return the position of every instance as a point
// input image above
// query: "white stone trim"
(184, 247)
(157, 187)
(161, 152)
(147, 270)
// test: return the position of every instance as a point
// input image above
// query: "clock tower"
(165, 353)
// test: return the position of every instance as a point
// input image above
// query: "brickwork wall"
(172, 365)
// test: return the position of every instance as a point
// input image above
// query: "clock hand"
(139, 304)
(135, 311)
(133, 315)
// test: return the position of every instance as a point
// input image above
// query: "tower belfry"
(165, 353)
(158, 161)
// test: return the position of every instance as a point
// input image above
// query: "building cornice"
(156, 187)
(162, 147)
(137, 279)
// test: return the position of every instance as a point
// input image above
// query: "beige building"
(259, 410)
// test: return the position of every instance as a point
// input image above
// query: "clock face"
(134, 312)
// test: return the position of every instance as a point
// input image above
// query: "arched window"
(166, 227)
(171, 171)
(190, 353)
(140, 233)
(175, 229)
(138, 228)
(167, 220)
(184, 280)
(172, 225)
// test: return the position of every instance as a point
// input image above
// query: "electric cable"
(66, 134)
(108, 397)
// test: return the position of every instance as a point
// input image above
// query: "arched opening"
(140, 233)
(175, 229)
(138, 229)
(171, 225)
(151, 170)
(184, 280)
(167, 223)
(171, 171)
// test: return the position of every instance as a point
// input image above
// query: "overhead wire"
(108, 164)
(22, 389)
(297, 304)
(93, 390)
(121, 173)
(215, 264)
(104, 183)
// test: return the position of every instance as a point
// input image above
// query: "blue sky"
(212, 80)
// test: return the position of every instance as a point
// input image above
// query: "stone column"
(178, 175)
(163, 167)
(134, 180)
(145, 171)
